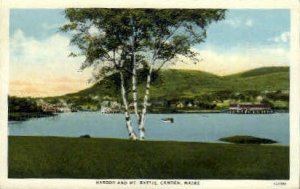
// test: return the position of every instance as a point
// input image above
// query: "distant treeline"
(21, 109)
(23, 104)
(214, 100)
(189, 89)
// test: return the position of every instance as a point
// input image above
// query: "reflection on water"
(186, 127)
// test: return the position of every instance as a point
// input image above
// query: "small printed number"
(279, 183)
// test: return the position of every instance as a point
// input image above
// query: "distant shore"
(24, 116)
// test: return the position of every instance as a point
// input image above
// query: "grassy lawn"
(56, 157)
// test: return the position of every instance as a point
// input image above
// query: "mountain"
(176, 84)
(261, 71)
(189, 87)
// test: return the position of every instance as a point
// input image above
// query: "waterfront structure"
(54, 108)
(110, 107)
(248, 108)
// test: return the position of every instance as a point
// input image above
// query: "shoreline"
(186, 111)
(24, 116)
(146, 140)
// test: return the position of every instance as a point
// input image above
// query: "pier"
(250, 109)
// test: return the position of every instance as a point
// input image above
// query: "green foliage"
(18, 104)
(261, 71)
(278, 95)
(24, 116)
(201, 86)
(95, 158)
(124, 32)
(24, 108)
(280, 105)
(203, 89)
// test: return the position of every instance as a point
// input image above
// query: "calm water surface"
(186, 127)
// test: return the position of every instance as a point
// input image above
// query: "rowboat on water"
(168, 120)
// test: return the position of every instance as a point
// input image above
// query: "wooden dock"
(250, 109)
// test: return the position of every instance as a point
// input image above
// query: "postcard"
(150, 95)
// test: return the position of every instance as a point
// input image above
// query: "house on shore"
(248, 108)
(54, 108)
(110, 107)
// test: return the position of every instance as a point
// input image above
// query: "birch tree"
(173, 33)
(125, 40)
(102, 37)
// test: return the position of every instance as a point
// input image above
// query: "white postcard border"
(293, 6)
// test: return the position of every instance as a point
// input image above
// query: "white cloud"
(40, 63)
(282, 38)
(224, 63)
(94, 31)
(47, 26)
(249, 23)
(237, 22)
(233, 22)
(43, 68)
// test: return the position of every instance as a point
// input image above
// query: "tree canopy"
(125, 40)
(99, 33)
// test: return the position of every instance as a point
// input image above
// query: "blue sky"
(254, 27)
(233, 31)
(246, 39)
(38, 23)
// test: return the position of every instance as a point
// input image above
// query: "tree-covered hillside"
(189, 83)
(206, 90)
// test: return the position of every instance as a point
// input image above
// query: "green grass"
(54, 157)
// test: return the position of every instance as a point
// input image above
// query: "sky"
(40, 66)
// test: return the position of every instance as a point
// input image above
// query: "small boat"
(168, 120)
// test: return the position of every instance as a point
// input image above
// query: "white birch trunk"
(134, 75)
(134, 90)
(145, 104)
(129, 127)
(134, 82)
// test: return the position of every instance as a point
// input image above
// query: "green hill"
(174, 85)
(190, 83)
(261, 72)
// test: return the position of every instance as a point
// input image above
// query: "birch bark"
(129, 127)
(134, 90)
(134, 76)
(145, 104)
